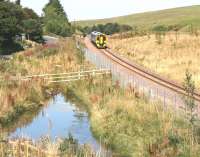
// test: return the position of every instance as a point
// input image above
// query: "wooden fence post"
(18, 149)
(27, 150)
(2, 153)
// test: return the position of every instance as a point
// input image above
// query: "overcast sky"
(95, 9)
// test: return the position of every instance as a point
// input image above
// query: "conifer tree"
(55, 19)
(18, 2)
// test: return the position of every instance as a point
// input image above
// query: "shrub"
(160, 32)
(109, 28)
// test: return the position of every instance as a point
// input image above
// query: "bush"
(160, 31)
(9, 47)
(109, 28)
(160, 28)
(33, 30)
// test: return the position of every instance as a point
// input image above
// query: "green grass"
(177, 16)
(131, 126)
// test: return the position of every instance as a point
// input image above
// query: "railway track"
(141, 71)
(148, 74)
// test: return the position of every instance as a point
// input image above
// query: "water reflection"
(59, 119)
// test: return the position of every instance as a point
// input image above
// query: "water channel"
(59, 119)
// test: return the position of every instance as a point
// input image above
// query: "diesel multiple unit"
(99, 39)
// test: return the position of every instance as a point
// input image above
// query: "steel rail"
(147, 74)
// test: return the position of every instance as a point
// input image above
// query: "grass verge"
(132, 126)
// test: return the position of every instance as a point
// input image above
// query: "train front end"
(99, 39)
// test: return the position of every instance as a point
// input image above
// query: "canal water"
(59, 119)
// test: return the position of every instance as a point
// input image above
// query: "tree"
(10, 25)
(32, 25)
(55, 19)
(160, 31)
(125, 28)
(14, 20)
(33, 30)
(111, 28)
(18, 2)
(30, 14)
(189, 87)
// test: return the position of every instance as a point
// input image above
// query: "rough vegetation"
(117, 118)
(117, 115)
(35, 92)
(21, 100)
(169, 54)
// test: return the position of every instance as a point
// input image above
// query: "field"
(178, 16)
(171, 58)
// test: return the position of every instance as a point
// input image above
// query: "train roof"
(97, 33)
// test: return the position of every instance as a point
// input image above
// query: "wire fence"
(147, 88)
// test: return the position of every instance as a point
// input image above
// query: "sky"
(97, 9)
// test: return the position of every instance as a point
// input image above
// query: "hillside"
(182, 16)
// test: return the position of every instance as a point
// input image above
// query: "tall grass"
(45, 147)
(132, 126)
(22, 99)
(171, 58)
(126, 123)
(18, 96)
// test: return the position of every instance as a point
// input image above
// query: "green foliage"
(34, 96)
(175, 27)
(160, 28)
(47, 52)
(30, 14)
(189, 86)
(193, 30)
(14, 20)
(18, 2)
(10, 22)
(109, 28)
(55, 19)
(32, 26)
(126, 131)
(7, 120)
(160, 32)
(33, 30)
(68, 143)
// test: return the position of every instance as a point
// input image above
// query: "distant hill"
(178, 16)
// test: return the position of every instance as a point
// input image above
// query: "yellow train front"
(99, 39)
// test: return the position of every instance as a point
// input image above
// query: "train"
(99, 39)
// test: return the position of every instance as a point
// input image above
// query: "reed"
(44, 147)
